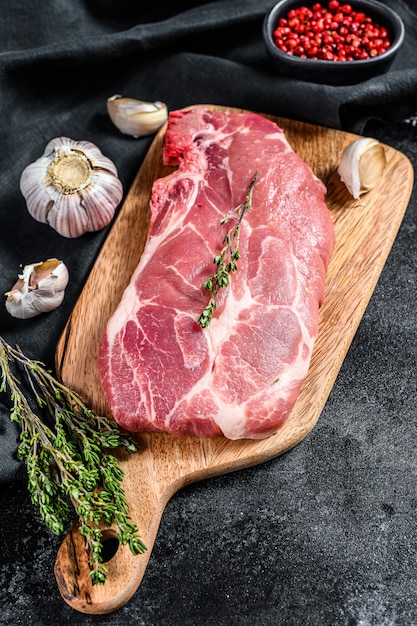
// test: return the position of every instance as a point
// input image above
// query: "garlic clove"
(136, 117)
(68, 205)
(57, 184)
(361, 165)
(39, 289)
(371, 166)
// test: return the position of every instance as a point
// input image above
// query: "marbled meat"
(240, 376)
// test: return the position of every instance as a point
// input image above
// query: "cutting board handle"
(162, 465)
(125, 571)
(148, 485)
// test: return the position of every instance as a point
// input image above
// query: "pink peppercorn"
(332, 33)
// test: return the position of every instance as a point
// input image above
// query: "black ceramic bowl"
(334, 72)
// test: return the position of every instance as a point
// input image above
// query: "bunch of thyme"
(226, 260)
(67, 461)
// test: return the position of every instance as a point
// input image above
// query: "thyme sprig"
(66, 456)
(226, 260)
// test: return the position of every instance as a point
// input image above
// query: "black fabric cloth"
(59, 62)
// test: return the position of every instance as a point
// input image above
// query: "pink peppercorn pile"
(332, 33)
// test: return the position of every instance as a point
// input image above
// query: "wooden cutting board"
(365, 231)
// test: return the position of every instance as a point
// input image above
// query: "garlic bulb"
(40, 288)
(72, 187)
(136, 117)
(361, 165)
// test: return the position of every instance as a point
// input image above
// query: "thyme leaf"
(66, 453)
(226, 260)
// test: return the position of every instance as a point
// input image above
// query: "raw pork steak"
(241, 375)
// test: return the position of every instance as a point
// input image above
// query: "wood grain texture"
(365, 231)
